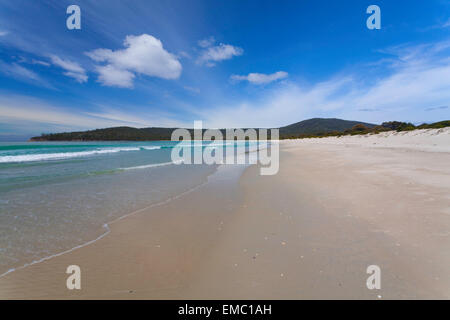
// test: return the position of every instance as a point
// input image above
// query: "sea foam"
(65, 155)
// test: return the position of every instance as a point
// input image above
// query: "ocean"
(55, 196)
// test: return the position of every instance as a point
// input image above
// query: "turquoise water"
(55, 196)
(28, 164)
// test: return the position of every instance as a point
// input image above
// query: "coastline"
(12, 284)
(335, 207)
(106, 227)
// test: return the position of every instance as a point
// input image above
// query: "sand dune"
(435, 140)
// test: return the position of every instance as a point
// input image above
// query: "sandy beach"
(336, 206)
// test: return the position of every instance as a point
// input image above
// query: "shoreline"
(107, 225)
(218, 174)
(308, 232)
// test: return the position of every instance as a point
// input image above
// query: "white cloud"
(40, 62)
(3, 33)
(73, 69)
(260, 78)
(22, 59)
(418, 78)
(212, 54)
(143, 54)
(208, 42)
(109, 75)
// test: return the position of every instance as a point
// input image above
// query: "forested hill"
(306, 127)
(316, 127)
(320, 125)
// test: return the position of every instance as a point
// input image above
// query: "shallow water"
(55, 196)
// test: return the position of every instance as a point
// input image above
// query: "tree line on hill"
(361, 129)
(311, 128)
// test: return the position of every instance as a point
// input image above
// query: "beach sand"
(336, 206)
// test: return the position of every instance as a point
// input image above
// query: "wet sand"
(334, 208)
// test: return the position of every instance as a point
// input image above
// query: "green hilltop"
(316, 127)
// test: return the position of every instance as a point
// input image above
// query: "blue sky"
(229, 63)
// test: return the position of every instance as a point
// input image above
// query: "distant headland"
(316, 127)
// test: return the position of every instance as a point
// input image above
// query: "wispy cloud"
(418, 76)
(40, 62)
(3, 33)
(208, 42)
(73, 69)
(19, 72)
(192, 89)
(22, 59)
(214, 53)
(140, 120)
(260, 78)
(22, 109)
(436, 108)
(438, 25)
(368, 109)
(25, 109)
(143, 54)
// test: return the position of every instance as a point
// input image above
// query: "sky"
(144, 63)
